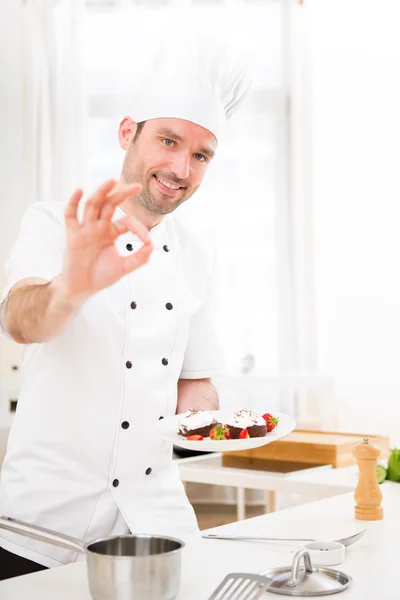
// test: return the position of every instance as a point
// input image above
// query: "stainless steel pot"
(125, 567)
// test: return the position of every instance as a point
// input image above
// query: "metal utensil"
(305, 581)
(347, 541)
(241, 586)
(121, 567)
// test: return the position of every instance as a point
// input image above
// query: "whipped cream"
(245, 418)
(194, 419)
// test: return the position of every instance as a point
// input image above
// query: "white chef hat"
(198, 78)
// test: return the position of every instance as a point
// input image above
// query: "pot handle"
(41, 534)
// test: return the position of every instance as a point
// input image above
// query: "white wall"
(11, 161)
(355, 49)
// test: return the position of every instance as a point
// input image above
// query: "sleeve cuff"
(201, 374)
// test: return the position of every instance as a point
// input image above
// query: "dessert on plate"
(246, 420)
(196, 422)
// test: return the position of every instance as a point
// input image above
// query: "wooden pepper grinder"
(368, 495)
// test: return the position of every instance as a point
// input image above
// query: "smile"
(165, 185)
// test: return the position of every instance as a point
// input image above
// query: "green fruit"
(380, 473)
(393, 471)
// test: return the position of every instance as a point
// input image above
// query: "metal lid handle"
(295, 578)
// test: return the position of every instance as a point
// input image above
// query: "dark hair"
(140, 126)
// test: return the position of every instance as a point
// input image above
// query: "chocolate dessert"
(246, 419)
(196, 422)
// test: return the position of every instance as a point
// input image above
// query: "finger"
(94, 204)
(71, 211)
(138, 259)
(116, 197)
(133, 225)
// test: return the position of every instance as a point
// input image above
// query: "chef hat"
(199, 79)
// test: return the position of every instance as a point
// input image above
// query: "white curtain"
(41, 123)
(53, 99)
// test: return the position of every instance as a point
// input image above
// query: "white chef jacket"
(82, 455)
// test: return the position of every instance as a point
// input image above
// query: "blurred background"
(302, 201)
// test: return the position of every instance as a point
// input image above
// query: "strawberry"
(270, 421)
(244, 434)
(226, 434)
(219, 432)
(195, 438)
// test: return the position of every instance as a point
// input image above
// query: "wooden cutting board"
(308, 447)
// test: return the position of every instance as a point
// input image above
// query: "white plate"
(167, 429)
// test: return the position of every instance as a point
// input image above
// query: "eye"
(200, 157)
(167, 142)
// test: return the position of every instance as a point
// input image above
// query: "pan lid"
(305, 581)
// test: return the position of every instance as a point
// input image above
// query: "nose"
(180, 165)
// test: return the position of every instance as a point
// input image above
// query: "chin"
(165, 210)
(160, 206)
(165, 207)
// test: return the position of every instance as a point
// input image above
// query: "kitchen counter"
(372, 562)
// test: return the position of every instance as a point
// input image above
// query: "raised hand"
(92, 261)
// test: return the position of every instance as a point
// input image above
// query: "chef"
(111, 299)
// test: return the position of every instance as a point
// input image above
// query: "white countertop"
(372, 562)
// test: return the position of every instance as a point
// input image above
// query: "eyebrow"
(171, 134)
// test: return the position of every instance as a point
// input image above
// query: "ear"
(126, 131)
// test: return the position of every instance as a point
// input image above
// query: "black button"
(125, 425)
(165, 248)
(159, 418)
(165, 361)
(128, 364)
(133, 305)
(129, 247)
(115, 483)
(169, 306)
(148, 471)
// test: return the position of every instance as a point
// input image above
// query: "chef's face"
(169, 158)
